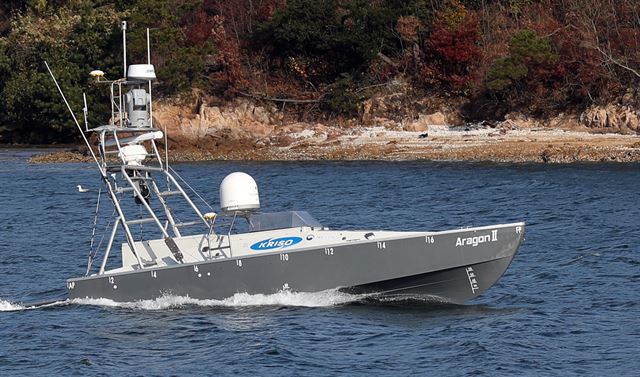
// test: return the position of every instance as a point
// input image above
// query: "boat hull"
(455, 266)
(454, 285)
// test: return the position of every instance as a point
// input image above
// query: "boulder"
(617, 118)
(424, 121)
(238, 120)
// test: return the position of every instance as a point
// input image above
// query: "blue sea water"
(569, 305)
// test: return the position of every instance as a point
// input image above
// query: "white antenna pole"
(85, 110)
(150, 98)
(148, 48)
(123, 25)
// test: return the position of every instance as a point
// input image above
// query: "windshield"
(281, 220)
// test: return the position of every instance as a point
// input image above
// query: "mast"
(123, 26)
(129, 161)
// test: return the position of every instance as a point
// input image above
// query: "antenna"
(150, 98)
(85, 110)
(123, 26)
(84, 137)
(148, 48)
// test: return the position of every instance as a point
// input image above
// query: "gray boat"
(204, 254)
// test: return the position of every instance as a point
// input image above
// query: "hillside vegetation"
(489, 58)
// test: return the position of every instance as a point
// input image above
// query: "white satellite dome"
(239, 192)
(141, 72)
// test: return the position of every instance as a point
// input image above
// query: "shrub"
(336, 36)
(504, 72)
(527, 52)
(453, 46)
(342, 96)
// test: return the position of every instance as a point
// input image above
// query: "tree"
(527, 52)
(453, 46)
(74, 40)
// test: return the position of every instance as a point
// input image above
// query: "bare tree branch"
(614, 61)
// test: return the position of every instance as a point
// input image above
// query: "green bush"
(504, 72)
(342, 97)
(76, 37)
(526, 52)
(526, 47)
(335, 36)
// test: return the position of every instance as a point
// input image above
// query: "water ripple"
(568, 305)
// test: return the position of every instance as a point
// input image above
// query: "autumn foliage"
(538, 57)
(453, 46)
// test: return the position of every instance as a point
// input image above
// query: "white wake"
(326, 298)
(8, 306)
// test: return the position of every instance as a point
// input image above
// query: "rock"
(565, 122)
(516, 120)
(333, 135)
(284, 141)
(59, 157)
(436, 118)
(292, 128)
(320, 129)
(211, 114)
(617, 118)
(424, 121)
(238, 120)
(367, 113)
(416, 126)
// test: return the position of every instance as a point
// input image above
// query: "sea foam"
(283, 298)
(7, 306)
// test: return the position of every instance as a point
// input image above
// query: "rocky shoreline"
(244, 130)
(438, 144)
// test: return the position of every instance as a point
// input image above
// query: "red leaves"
(228, 57)
(453, 46)
(458, 46)
(198, 28)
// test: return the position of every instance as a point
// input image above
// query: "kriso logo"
(275, 243)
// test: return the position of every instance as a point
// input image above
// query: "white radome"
(141, 72)
(97, 74)
(239, 192)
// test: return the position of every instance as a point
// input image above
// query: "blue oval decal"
(275, 243)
